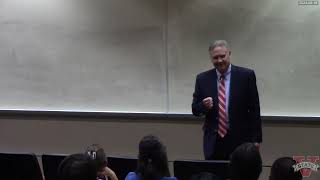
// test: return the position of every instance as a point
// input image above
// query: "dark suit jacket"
(244, 108)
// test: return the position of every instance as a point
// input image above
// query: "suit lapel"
(233, 85)
(213, 87)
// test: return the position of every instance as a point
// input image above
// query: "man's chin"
(221, 70)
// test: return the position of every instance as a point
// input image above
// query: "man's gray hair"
(218, 43)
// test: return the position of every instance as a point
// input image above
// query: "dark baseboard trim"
(138, 115)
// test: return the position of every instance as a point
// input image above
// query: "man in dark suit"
(228, 97)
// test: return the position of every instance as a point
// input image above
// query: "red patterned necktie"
(222, 125)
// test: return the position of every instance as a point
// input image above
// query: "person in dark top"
(282, 169)
(77, 167)
(245, 163)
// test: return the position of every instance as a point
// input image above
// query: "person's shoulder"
(242, 69)
(206, 73)
(131, 176)
(169, 178)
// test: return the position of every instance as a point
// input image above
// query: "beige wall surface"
(183, 138)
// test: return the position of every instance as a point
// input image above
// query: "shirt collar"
(225, 74)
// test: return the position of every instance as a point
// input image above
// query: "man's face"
(220, 58)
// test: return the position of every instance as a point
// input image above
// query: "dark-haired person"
(227, 96)
(152, 161)
(98, 156)
(77, 167)
(282, 169)
(245, 163)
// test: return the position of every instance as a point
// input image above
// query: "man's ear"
(229, 53)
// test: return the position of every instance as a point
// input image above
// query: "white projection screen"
(143, 55)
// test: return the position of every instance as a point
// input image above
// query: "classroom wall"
(143, 56)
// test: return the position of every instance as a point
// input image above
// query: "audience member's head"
(246, 162)
(153, 161)
(97, 154)
(204, 176)
(77, 167)
(98, 158)
(282, 169)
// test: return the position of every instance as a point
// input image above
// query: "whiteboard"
(83, 55)
(143, 55)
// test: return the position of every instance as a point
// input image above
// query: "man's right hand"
(207, 102)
